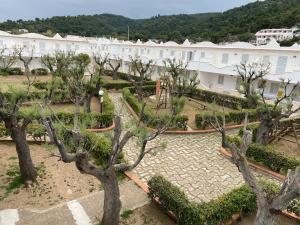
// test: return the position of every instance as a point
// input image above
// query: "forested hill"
(240, 23)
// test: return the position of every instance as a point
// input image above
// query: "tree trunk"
(265, 217)
(115, 75)
(77, 112)
(264, 129)
(112, 202)
(27, 170)
(87, 104)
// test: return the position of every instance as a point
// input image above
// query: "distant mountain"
(240, 23)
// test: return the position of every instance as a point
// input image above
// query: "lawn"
(109, 80)
(18, 81)
(191, 108)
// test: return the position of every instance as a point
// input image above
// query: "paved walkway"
(84, 211)
(191, 162)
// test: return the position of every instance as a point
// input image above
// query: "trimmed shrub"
(266, 155)
(12, 71)
(40, 71)
(188, 213)
(202, 121)
(220, 99)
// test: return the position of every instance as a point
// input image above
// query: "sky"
(30, 9)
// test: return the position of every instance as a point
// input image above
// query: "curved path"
(191, 162)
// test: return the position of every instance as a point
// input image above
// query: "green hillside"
(239, 23)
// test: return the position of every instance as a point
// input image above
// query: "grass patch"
(126, 214)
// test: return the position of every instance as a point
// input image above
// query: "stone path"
(191, 162)
(83, 211)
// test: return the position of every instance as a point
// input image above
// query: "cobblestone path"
(191, 162)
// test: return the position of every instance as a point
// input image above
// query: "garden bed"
(58, 181)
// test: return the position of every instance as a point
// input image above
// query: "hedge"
(149, 117)
(40, 71)
(266, 155)
(12, 71)
(220, 99)
(219, 211)
(202, 121)
(239, 200)
(124, 76)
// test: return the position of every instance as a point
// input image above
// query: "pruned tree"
(144, 70)
(271, 114)
(101, 60)
(10, 104)
(8, 57)
(115, 65)
(248, 74)
(26, 58)
(179, 83)
(268, 207)
(107, 174)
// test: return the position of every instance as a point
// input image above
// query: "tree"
(101, 60)
(178, 82)
(115, 66)
(268, 207)
(10, 104)
(8, 58)
(249, 73)
(107, 175)
(144, 72)
(26, 60)
(271, 114)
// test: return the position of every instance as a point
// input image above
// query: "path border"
(266, 170)
(183, 132)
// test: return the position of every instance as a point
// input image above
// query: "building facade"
(214, 64)
(265, 35)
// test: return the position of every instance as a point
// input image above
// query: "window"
(161, 54)
(190, 56)
(142, 51)
(245, 58)
(281, 64)
(148, 51)
(202, 55)
(172, 53)
(221, 79)
(225, 58)
(57, 47)
(76, 47)
(274, 88)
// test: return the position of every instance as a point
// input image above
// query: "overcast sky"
(30, 9)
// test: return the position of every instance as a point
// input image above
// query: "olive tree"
(115, 65)
(107, 174)
(271, 114)
(249, 73)
(144, 70)
(16, 124)
(268, 207)
(8, 57)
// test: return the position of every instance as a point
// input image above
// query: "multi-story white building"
(214, 64)
(265, 35)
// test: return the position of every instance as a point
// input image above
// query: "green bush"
(12, 71)
(220, 99)
(218, 211)
(266, 155)
(40, 71)
(214, 212)
(202, 121)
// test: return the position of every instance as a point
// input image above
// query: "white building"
(214, 64)
(265, 35)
